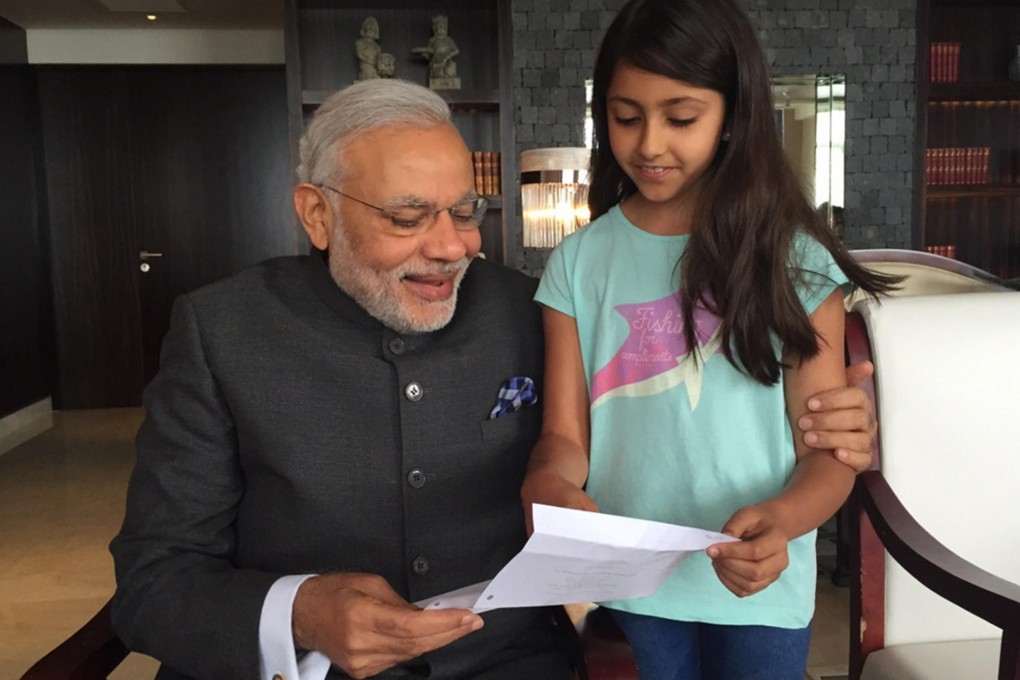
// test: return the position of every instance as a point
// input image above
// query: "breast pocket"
(507, 442)
(520, 428)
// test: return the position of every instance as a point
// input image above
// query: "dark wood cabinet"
(320, 37)
(968, 154)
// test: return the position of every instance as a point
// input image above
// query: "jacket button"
(413, 391)
(416, 478)
(420, 565)
(397, 346)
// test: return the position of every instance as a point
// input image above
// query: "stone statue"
(386, 65)
(368, 50)
(440, 52)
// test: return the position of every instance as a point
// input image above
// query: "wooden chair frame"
(91, 653)
(878, 522)
(600, 650)
(604, 653)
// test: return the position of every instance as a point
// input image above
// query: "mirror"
(811, 116)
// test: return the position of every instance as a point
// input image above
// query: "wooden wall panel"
(190, 162)
(26, 360)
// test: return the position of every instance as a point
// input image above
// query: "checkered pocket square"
(516, 392)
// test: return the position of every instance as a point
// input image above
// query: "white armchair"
(935, 528)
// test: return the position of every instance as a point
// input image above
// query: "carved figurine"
(440, 52)
(386, 65)
(368, 50)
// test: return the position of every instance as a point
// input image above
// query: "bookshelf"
(968, 142)
(320, 55)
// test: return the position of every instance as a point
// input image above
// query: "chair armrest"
(607, 654)
(91, 653)
(985, 595)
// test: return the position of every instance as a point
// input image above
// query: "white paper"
(577, 556)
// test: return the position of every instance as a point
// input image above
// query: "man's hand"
(842, 420)
(364, 627)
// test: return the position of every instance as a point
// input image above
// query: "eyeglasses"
(466, 215)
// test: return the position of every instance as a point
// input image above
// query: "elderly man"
(319, 448)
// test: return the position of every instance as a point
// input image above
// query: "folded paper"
(577, 556)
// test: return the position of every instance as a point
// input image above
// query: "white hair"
(359, 108)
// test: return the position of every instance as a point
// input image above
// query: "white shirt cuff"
(278, 659)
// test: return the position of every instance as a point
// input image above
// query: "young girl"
(686, 328)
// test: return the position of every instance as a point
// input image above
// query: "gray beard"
(354, 278)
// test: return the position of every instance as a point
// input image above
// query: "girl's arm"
(559, 462)
(819, 484)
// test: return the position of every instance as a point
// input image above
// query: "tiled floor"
(61, 501)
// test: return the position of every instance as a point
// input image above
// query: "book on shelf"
(487, 176)
(476, 164)
(957, 165)
(945, 250)
(1011, 166)
(944, 62)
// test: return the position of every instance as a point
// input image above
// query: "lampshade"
(554, 194)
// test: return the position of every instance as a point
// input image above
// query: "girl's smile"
(654, 172)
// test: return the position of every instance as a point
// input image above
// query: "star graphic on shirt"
(655, 356)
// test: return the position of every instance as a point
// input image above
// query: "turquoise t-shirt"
(673, 441)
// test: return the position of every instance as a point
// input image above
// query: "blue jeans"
(683, 650)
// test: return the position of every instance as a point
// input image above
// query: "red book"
(476, 162)
(497, 173)
(490, 173)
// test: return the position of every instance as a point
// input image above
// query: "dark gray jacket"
(288, 432)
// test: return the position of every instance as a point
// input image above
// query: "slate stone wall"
(872, 42)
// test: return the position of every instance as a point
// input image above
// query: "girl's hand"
(756, 561)
(550, 488)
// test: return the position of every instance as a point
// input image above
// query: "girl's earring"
(726, 136)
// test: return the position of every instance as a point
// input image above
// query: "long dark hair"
(737, 261)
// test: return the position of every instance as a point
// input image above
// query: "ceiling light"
(142, 6)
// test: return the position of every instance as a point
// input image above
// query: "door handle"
(145, 255)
